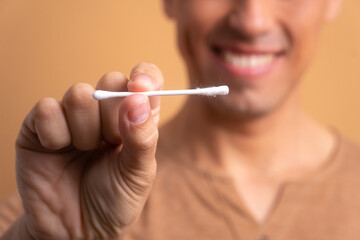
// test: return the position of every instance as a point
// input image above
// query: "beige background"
(47, 45)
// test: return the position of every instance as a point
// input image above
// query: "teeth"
(248, 61)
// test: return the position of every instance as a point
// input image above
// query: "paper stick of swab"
(210, 91)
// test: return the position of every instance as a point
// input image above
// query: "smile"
(247, 63)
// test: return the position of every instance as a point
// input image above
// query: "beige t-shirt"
(189, 203)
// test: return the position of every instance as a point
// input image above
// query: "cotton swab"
(210, 91)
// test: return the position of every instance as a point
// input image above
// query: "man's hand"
(85, 168)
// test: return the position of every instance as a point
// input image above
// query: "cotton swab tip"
(100, 94)
(213, 91)
(97, 94)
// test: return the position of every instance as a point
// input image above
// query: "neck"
(268, 143)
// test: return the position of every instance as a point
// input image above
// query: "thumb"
(139, 136)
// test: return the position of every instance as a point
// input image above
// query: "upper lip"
(247, 49)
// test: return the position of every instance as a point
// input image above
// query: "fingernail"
(139, 113)
(145, 82)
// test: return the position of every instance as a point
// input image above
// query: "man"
(250, 165)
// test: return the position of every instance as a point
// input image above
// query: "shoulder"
(346, 162)
(349, 153)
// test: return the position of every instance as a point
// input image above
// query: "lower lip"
(248, 72)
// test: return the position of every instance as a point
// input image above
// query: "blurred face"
(259, 48)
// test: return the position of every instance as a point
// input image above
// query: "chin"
(239, 108)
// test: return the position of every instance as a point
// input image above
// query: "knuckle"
(110, 80)
(147, 68)
(150, 70)
(78, 96)
(155, 111)
(52, 144)
(156, 119)
(149, 140)
(46, 108)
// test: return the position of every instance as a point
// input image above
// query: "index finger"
(147, 77)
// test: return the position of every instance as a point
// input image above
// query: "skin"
(85, 169)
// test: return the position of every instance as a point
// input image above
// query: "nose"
(251, 17)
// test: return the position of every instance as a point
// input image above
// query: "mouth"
(249, 63)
